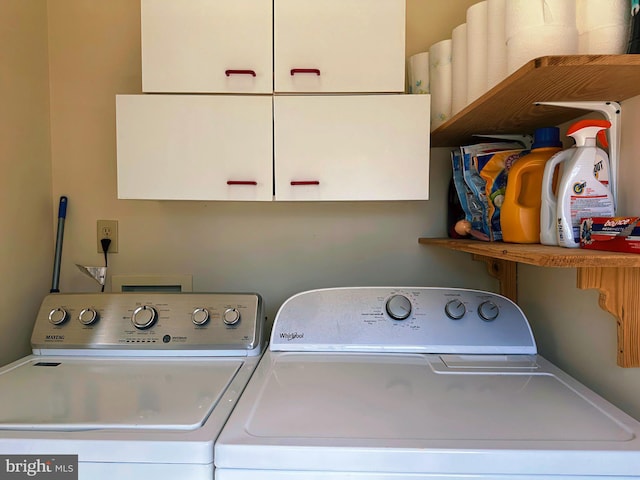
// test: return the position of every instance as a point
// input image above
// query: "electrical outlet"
(108, 229)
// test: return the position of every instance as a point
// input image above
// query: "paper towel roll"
(539, 41)
(524, 14)
(440, 81)
(458, 68)
(496, 43)
(611, 40)
(476, 50)
(602, 26)
(592, 14)
(419, 73)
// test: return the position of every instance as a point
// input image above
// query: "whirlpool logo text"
(291, 335)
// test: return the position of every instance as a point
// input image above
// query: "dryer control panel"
(212, 324)
(411, 319)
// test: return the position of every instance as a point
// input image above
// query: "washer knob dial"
(455, 309)
(398, 307)
(231, 316)
(200, 316)
(88, 316)
(488, 311)
(58, 316)
(144, 317)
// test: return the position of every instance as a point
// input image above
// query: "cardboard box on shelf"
(614, 234)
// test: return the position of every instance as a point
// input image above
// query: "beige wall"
(429, 21)
(276, 249)
(26, 248)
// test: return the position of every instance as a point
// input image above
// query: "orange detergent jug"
(520, 213)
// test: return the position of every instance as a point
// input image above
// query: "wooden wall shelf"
(510, 106)
(615, 275)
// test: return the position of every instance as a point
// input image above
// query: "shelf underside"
(510, 107)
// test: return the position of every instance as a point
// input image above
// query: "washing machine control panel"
(412, 319)
(201, 323)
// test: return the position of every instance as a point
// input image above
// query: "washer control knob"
(200, 316)
(58, 316)
(488, 311)
(398, 307)
(88, 316)
(455, 309)
(144, 317)
(231, 316)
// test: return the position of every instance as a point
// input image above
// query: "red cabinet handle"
(241, 182)
(295, 183)
(240, 72)
(305, 70)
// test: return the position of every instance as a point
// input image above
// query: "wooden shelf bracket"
(505, 271)
(619, 289)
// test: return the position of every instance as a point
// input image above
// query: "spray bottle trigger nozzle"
(602, 138)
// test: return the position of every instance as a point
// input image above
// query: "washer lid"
(75, 394)
(415, 413)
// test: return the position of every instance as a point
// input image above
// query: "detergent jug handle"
(549, 201)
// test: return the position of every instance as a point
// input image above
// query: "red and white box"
(614, 234)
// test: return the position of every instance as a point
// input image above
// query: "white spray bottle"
(580, 193)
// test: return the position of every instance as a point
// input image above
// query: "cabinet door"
(207, 46)
(366, 147)
(339, 45)
(194, 147)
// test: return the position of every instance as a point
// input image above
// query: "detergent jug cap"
(546, 137)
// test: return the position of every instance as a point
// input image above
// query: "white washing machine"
(137, 385)
(417, 383)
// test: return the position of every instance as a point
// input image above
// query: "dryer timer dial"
(398, 307)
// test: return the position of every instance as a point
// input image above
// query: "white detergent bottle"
(580, 193)
(548, 200)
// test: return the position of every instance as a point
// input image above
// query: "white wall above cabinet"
(339, 45)
(351, 147)
(205, 46)
(194, 147)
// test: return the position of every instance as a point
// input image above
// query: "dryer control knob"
(398, 307)
(88, 316)
(144, 317)
(488, 311)
(200, 316)
(455, 309)
(231, 316)
(58, 316)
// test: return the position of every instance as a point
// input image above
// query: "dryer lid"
(415, 413)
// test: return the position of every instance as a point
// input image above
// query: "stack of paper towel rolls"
(500, 36)
(419, 73)
(459, 68)
(440, 80)
(477, 43)
(602, 26)
(537, 28)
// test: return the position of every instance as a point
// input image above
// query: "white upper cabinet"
(195, 147)
(207, 46)
(352, 147)
(339, 45)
